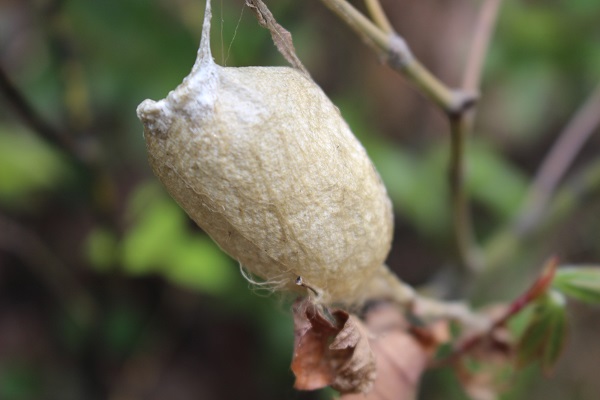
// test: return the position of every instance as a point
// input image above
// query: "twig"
(396, 53)
(486, 21)
(557, 161)
(35, 121)
(468, 253)
(458, 104)
(544, 201)
(461, 125)
(378, 15)
(581, 187)
(537, 289)
(102, 187)
(387, 285)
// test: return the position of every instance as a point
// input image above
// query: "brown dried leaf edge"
(331, 350)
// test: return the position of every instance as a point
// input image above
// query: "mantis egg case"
(262, 161)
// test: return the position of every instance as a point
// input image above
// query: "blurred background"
(108, 291)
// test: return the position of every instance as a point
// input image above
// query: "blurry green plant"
(160, 241)
(544, 58)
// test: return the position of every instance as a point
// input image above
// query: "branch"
(544, 201)
(461, 125)
(378, 15)
(396, 53)
(582, 187)
(535, 291)
(35, 121)
(457, 104)
(486, 22)
(557, 161)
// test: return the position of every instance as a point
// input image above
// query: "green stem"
(378, 15)
(397, 54)
(468, 252)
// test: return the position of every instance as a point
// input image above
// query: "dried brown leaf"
(356, 370)
(312, 333)
(281, 37)
(331, 351)
(400, 358)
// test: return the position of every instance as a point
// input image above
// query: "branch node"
(462, 101)
(399, 54)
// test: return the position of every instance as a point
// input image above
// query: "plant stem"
(461, 125)
(387, 285)
(398, 56)
(378, 15)
(557, 161)
(457, 104)
(535, 291)
(544, 201)
(35, 121)
(468, 253)
(583, 186)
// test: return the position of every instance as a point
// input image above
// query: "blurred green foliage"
(159, 241)
(162, 290)
(29, 168)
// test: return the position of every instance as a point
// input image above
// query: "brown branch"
(34, 120)
(535, 291)
(486, 22)
(457, 104)
(378, 15)
(557, 161)
(395, 52)
(461, 125)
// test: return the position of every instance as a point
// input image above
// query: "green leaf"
(19, 380)
(149, 243)
(101, 249)
(199, 264)
(581, 283)
(27, 166)
(544, 337)
(160, 241)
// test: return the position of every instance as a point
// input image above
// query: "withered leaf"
(356, 370)
(330, 350)
(281, 37)
(400, 358)
(381, 360)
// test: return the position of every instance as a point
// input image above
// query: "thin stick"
(461, 126)
(557, 161)
(378, 15)
(535, 291)
(467, 250)
(486, 22)
(34, 120)
(394, 50)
